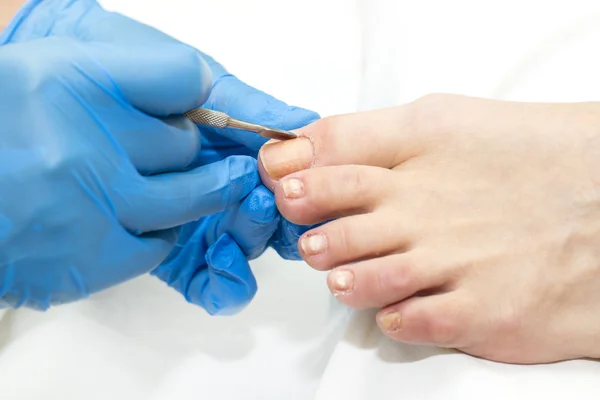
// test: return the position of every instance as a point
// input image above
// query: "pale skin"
(471, 224)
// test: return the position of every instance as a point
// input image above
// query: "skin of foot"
(470, 223)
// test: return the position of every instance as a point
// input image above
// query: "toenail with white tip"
(293, 188)
(314, 244)
(342, 282)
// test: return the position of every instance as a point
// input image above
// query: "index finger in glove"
(161, 80)
(156, 73)
(251, 223)
(228, 285)
(172, 199)
(241, 101)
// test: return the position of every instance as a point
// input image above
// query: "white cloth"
(142, 341)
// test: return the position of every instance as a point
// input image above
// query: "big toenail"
(391, 321)
(314, 244)
(293, 188)
(283, 158)
(342, 282)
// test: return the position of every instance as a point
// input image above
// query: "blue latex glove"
(77, 125)
(210, 264)
(86, 20)
(206, 250)
(241, 101)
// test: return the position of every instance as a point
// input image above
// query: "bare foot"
(473, 224)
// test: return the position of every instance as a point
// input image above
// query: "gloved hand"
(77, 125)
(86, 20)
(241, 101)
(209, 265)
(206, 251)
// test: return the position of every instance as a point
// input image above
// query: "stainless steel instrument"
(216, 119)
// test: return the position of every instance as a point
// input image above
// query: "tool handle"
(202, 116)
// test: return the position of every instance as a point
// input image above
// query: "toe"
(387, 280)
(281, 158)
(442, 320)
(348, 139)
(317, 195)
(353, 239)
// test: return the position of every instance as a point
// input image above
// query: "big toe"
(374, 138)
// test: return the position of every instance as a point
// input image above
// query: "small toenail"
(391, 321)
(342, 282)
(293, 188)
(314, 244)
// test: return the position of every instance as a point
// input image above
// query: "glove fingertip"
(230, 285)
(256, 222)
(260, 206)
(297, 117)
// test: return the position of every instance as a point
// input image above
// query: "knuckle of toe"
(355, 182)
(431, 114)
(442, 330)
(398, 279)
(343, 240)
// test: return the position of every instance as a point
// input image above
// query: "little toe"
(387, 280)
(322, 194)
(442, 320)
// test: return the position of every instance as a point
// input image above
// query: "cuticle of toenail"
(342, 282)
(312, 142)
(314, 244)
(391, 321)
(293, 188)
